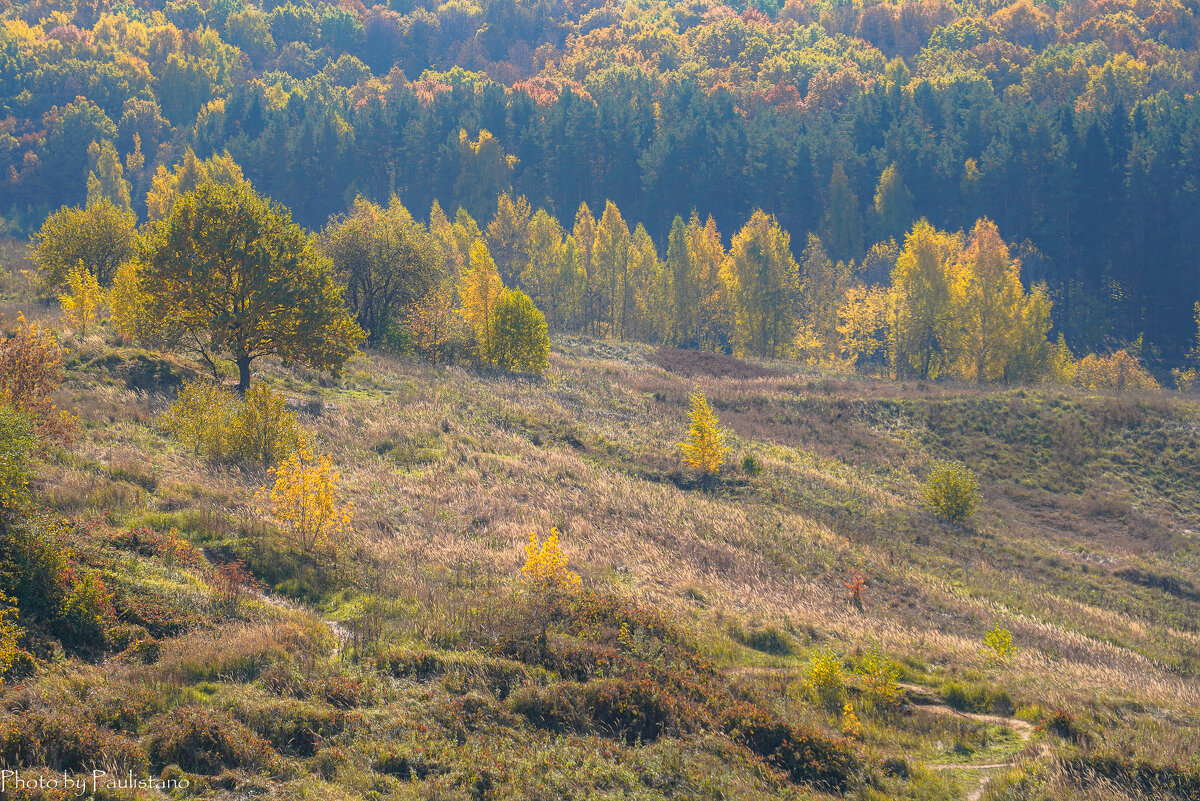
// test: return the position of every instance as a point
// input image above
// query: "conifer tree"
(765, 280)
(704, 448)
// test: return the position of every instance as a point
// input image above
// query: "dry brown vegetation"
(1084, 546)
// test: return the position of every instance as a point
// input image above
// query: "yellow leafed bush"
(305, 501)
(10, 635)
(546, 565)
(83, 301)
(221, 427)
(826, 681)
(1120, 371)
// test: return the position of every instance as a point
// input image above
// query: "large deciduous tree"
(387, 260)
(765, 282)
(235, 276)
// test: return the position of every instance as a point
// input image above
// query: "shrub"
(82, 301)
(518, 339)
(856, 582)
(555, 708)
(977, 699)
(292, 726)
(66, 740)
(205, 740)
(221, 427)
(16, 442)
(1062, 724)
(54, 597)
(545, 568)
(768, 639)
(87, 607)
(30, 372)
(826, 681)
(633, 709)
(998, 644)
(1121, 371)
(805, 756)
(952, 491)
(10, 635)
(305, 502)
(751, 466)
(879, 675)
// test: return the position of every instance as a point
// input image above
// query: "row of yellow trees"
(939, 304)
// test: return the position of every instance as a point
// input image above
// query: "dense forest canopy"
(1073, 126)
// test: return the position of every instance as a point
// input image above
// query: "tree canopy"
(235, 276)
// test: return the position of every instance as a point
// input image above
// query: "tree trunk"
(243, 365)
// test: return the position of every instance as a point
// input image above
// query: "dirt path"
(923, 698)
(341, 634)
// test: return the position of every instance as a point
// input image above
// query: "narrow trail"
(341, 634)
(922, 698)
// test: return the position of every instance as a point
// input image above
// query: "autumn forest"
(1072, 128)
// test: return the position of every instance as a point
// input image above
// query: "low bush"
(768, 639)
(65, 740)
(292, 726)
(556, 708)
(498, 676)
(952, 491)
(636, 710)
(218, 425)
(207, 741)
(805, 756)
(826, 681)
(1146, 778)
(239, 652)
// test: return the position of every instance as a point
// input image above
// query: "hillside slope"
(417, 667)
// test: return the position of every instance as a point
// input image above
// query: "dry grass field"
(414, 666)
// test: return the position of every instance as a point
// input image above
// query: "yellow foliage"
(10, 634)
(826, 681)
(1063, 364)
(480, 291)
(862, 322)
(1120, 371)
(952, 491)
(998, 644)
(84, 298)
(880, 676)
(851, 725)
(305, 502)
(30, 372)
(704, 448)
(221, 427)
(546, 565)
(127, 303)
